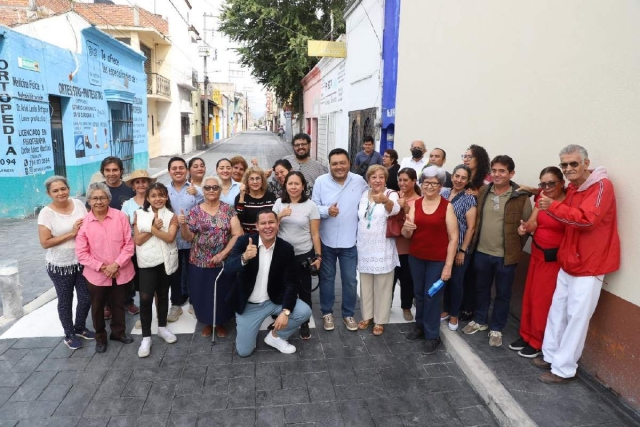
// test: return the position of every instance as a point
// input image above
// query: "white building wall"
(363, 72)
(527, 78)
(333, 119)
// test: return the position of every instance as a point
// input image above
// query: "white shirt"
(265, 255)
(408, 162)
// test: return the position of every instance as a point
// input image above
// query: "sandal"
(364, 324)
(378, 330)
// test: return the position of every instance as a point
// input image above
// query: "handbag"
(550, 255)
(395, 222)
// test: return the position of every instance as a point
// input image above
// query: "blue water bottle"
(435, 288)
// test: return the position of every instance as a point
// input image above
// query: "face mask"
(416, 153)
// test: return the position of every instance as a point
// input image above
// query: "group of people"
(249, 241)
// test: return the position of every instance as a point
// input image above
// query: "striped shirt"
(462, 202)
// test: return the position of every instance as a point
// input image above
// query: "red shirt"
(430, 239)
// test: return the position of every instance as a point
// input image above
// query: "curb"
(43, 299)
(502, 405)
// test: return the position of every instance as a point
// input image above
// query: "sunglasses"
(549, 185)
(211, 188)
(572, 164)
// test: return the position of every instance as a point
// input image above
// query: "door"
(122, 133)
(361, 124)
(57, 139)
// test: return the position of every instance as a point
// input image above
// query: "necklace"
(368, 212)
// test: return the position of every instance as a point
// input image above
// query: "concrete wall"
(100, 69)
(526, 78)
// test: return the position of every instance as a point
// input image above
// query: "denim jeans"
(489, 268)
(348, 258)
(453, 290)
(180, 280)
(426, 273)
(248, 323)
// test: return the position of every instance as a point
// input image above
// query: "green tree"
(273, 36)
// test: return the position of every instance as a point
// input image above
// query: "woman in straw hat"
(140, 181)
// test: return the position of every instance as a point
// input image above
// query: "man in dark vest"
(498, 247)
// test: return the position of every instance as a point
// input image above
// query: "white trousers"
(376, 291)
(574, 302)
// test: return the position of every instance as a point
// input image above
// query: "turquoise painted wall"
(92, 84)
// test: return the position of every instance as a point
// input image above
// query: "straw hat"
(139, 174)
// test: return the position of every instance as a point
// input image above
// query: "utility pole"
(206, 83)
(206, 77)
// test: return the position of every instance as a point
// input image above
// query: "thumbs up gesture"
(157, 222)
(286, 211)
(182, 219)
(333, 210)
(544, 202)
(191, 190)
(401, 200)
(409, 225)
(250, 252)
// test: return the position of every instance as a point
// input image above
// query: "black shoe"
(123, 339)
(305, 333)
(529, 352)
(518, 344)
(270, 327)
(465, 316)
(430, 346)
(416, 334)
(101, 347)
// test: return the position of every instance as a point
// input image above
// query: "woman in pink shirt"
(105, 247)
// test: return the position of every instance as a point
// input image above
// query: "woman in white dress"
(377, 254)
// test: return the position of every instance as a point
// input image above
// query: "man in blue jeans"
(337, 195)
(266, 284)
(498, 247)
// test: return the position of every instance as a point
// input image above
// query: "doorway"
(57, 138)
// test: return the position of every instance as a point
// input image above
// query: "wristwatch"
(463, 251)
(286, 312)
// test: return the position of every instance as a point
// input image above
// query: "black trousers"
(305, 278)
(403, 273)
(99, 295)
(154, 281)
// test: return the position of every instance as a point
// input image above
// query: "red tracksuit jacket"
(591, 245)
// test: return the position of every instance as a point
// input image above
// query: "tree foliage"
(273, 36)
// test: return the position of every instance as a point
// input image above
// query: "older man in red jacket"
(590, 249)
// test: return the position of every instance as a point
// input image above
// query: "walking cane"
(215, 300)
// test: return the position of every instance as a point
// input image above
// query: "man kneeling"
(266, 284)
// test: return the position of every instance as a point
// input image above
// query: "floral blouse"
(212, 233)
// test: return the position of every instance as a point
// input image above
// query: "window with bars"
(122, 133)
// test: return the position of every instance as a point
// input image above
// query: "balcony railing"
(158, 85)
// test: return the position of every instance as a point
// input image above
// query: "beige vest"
(155, 251)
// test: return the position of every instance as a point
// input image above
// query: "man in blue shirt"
(182, 200)
(337, 195)
(367, 157)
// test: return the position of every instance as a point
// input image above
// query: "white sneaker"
(145, 347)
(453, 327)
(174, 313)
(279, 344)
(167, 335)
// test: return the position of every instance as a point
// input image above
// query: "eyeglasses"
(572, 164)
(549, 185)
(302, 144)
(99, 199)
(211, 188)
(255, 179)
(466, 157)
(430, 184)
